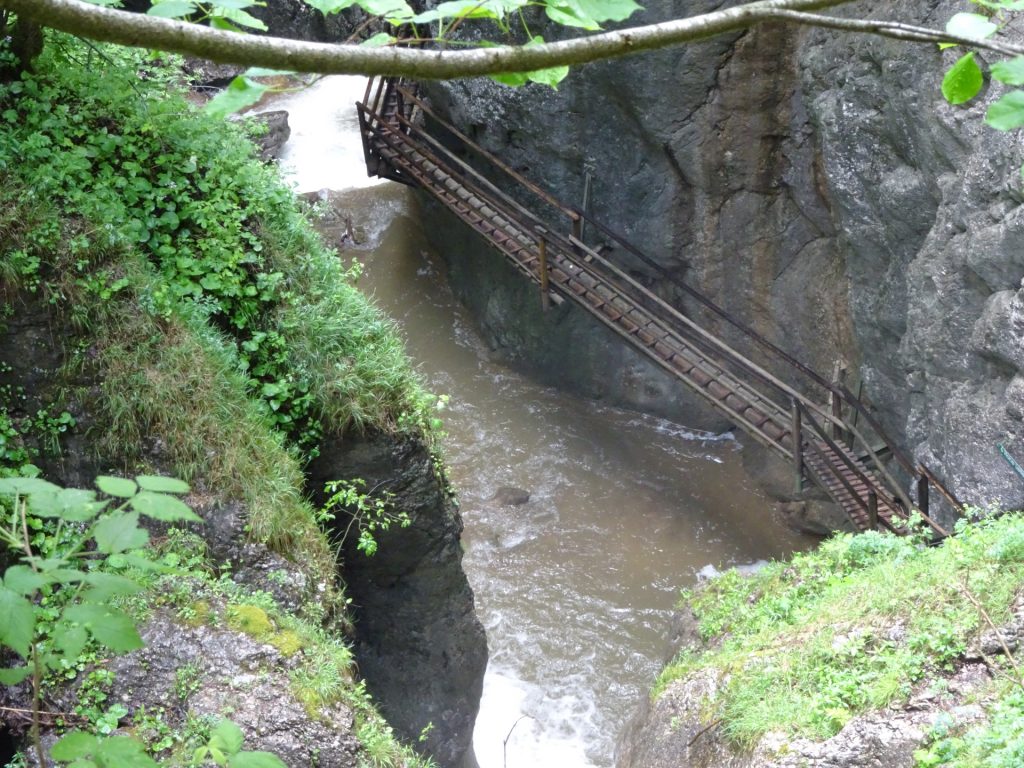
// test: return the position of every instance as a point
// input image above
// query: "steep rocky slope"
(196, 326)
(815, 664)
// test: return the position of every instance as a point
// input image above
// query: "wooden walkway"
(404, 140)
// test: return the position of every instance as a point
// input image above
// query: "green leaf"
(124, 751)
(162, 507)
(255, 760)
(219, 22)
(330, 6)
(589, 14)
(71, 504)
(118, 533)
(227, 737)
(70, 639)
(1007, 113)
(23, 580)
(104, 586)
(513, 79)
(240, 93)
(550, 76)
(238, 16)
(162, 484)
(381, 38)
(963, 80)
(23, 486)
(1010, 71)
(265, 72)
(463, 9)
(392, 10)
(74, 745)
(972, 25)
(14, 675)
(17, 622)
(109, 626)
(116, 486)
(172, 9)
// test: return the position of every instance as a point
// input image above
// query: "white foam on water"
(521, 727)
(710, 572)
(324, 150)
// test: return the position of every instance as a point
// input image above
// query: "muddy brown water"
(576, 587)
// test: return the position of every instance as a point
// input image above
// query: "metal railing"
(387, 115)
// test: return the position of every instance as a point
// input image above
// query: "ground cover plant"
(804, 646)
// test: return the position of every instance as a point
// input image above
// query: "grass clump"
(997, 744)
(804, 646)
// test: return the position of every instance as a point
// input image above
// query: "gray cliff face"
(816, 185)
(419, 644)
(927, 201)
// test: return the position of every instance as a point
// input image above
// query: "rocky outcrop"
(419, 644)
(674, 733)
(228, 671)
(297, 20)
(818, 187)
(277, 131)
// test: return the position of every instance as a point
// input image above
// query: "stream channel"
(576, 587)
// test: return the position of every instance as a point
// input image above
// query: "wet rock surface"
(419, 644)
(232, 673)
(277, 132)
(507, 496)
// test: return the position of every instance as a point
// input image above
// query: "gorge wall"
(815, 185)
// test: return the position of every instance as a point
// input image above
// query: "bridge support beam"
(796, 428)
(542, 258)
(922, 493)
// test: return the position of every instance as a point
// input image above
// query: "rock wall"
(817, 186)
(419, 643)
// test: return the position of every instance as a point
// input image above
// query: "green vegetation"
(86, 580)
(804, 646)
(61, 595)
(210, 312)
(209, 333)
(367, 513)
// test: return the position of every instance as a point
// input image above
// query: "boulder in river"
(510, 496)
(277, 133)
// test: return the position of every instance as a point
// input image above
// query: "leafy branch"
(965, 79)
(71, 544)
(368, 514)
(136, 30)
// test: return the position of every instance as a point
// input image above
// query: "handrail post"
(542, 254)
(922, 493)
(836, 402)
(577, 227)
(872, 510)
(796, 429)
